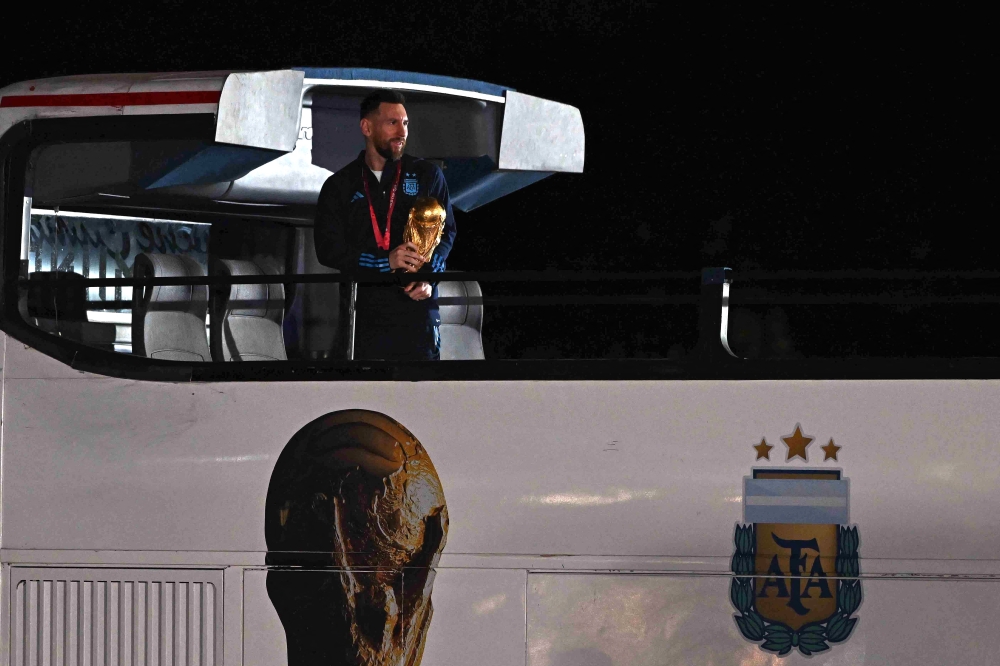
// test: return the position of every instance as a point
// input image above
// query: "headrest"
(469, 313)
(453, 314)
(252, 300)
(168, 322)
(186, 298)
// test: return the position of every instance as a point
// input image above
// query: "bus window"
(146, 244)
(138, 249)
(181, 275)
(67, 248)
(296, 318)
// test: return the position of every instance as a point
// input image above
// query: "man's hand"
(418, 291)
(405, 256)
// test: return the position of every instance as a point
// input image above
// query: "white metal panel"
(115, 616)
(665, 620)
(105, 84)
(478, 619)
(232, 603)
(24, 361)
(190, 82)
(526, 466)
(70, 85)
(538, 475)
(291, 177)
(260, 109)
(111, 83)
(4, 577)
(263, 634)
(541, 135)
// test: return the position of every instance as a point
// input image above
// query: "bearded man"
(361, 214)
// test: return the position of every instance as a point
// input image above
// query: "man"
(361, 214)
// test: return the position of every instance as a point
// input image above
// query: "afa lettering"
(793, 590)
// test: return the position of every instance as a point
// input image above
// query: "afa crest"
(795, 583)
(410, 185)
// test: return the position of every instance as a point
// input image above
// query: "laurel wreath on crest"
(778, 637)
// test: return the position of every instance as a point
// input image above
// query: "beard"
(385, 150)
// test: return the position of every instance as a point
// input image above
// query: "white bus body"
(593, 522)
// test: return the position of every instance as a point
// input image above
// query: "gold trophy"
(425, 225)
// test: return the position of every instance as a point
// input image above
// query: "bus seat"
(57, 304)
(169, 322)
(247, 318)
(461, 323)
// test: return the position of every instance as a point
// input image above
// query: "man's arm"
(331, 240)
(332, 248)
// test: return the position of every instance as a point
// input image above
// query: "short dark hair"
(372, 102)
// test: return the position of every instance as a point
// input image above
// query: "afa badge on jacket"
(410, 185)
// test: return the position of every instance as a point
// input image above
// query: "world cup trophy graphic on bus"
(355, 523)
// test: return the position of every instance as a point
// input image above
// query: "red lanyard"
(380, 240)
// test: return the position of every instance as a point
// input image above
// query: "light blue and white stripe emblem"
(795, 501)
(367, 260)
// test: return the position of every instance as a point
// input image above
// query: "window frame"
(17, 143)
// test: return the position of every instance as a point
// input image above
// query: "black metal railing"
(714, 290)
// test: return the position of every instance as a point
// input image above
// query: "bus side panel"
(478, 619)
(590, 522)
(4, 568)
(652, 620)
(488, 618)
(630, 469)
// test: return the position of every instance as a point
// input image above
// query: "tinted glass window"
(77, 246)
(186, 275)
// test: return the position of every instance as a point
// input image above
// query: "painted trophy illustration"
(425, 225)
(355, 523)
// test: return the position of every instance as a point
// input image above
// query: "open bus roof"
(280, 134)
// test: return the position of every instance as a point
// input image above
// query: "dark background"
(828, 137)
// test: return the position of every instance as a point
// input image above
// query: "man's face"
(387, 129)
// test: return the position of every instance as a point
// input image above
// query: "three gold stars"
(796, 443)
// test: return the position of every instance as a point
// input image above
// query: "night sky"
(836, 137)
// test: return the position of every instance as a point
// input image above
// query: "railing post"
(352, 320)
(713, 315)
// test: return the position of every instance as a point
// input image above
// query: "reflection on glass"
(99, 246)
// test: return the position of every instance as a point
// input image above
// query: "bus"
(195, 469)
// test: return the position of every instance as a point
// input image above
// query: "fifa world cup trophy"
(425, 225)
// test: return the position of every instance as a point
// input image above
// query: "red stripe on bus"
(115, 99)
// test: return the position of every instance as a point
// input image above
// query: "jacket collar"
(389, 164)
